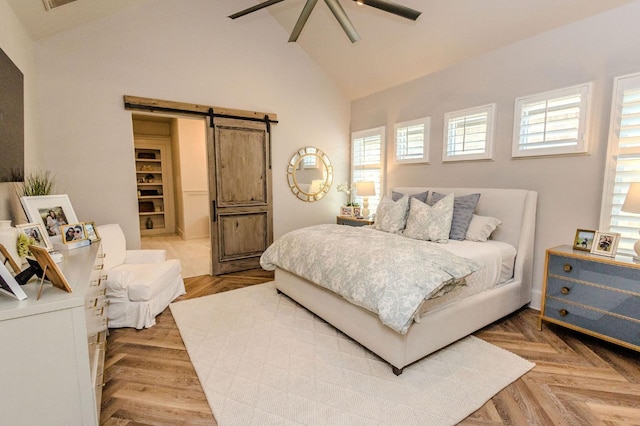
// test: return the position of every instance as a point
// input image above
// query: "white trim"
(611, 185)
(490, 111)
(426, 122)
(581, 146)
(380, 132)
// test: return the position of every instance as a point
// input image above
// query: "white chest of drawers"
(52, 355)
(596, 295)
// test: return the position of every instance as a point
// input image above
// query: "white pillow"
(481, 228)
(391, 216)
(430, 223)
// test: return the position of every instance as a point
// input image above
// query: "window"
(412, 141)
(552, 123)
(623, 161)
(367, 160)
(469, 134)
(310, 161)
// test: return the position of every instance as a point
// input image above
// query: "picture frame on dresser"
(91, 232)
(6, 258)
(73, 233)
(9, 285)
(584, 239)
(37, 232)
(51, 211)
(50, 270)
(605, 243)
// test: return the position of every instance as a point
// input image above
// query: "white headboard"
(516, 208)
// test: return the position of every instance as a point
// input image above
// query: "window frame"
(380, 188)
(585, 91)
(490, 110)
(426, 122)
(614, 188)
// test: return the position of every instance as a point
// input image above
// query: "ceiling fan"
(338, 12)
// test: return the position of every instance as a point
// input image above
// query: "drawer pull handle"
(565, 290)
(563, 312)
(567, 267)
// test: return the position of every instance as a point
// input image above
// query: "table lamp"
(365, 189)
(632, 205)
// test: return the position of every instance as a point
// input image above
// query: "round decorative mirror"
(309, 174)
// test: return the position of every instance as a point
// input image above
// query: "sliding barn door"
(240, 192)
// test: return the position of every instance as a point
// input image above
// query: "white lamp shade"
(366, 189)
(632, 201)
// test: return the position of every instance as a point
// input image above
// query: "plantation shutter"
(469, 134)
(412, 141)
(551, 123)
(624, 157)
(367, 161)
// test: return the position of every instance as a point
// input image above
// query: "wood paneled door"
(240, 193)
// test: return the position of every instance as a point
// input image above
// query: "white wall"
(192, 54)
(192, 189)
(16, 44)
(596, 49)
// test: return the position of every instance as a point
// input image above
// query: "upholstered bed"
(442, 320)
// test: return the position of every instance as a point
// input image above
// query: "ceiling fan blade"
(308, 7)
(391, 7)
(343, 19)
(254, 8)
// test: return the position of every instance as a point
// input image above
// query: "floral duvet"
(387, 274)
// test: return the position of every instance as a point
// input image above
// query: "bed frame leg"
(397, 371)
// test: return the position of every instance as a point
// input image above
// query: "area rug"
(262, 359)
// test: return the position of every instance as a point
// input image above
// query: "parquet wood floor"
(578, 380)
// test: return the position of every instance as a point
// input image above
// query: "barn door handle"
(214, 213)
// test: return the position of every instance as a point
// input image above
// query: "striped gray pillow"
(463, 207)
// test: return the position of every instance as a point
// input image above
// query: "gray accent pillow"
(391, 216)
(463, 207)
(430, 223)
(422, 196)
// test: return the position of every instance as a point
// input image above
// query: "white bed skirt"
(436, 329)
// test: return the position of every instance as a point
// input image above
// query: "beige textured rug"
(264, 360)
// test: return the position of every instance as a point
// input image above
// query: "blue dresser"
(596, 295)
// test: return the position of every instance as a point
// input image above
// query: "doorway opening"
(172, 184)
(238, 165)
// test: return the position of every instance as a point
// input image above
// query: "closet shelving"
(153, 182)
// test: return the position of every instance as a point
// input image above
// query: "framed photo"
(346, 211)
(584, 239)
(50, 268)
(9, 285)
(91, 232)
(37, 232)
(7, 258)
(350, 211)
(73, 232)
(51, 211)
(605, 243)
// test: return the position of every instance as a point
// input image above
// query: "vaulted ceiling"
(392, 50)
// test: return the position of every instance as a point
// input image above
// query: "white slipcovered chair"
(140, 283)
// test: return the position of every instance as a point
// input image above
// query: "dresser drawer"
(610, 275)
(599, 322)
(617, 302)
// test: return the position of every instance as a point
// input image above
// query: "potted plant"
(351, 208)
(37, 183)
(34, 183)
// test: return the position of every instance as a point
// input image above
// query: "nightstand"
(595, 295)
(352, 221)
